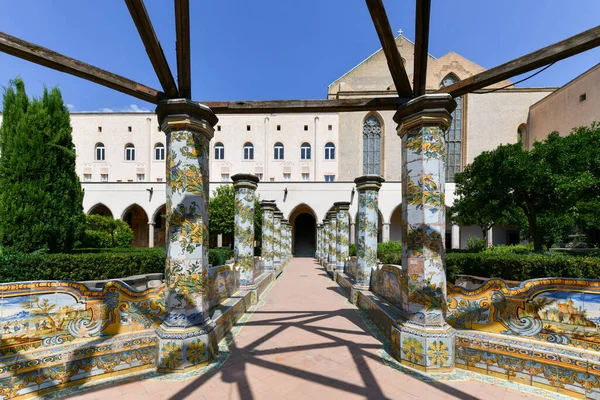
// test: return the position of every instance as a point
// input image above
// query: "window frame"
(159, 149)
(219, 151)
(278, 151)
(305, 151)
(129, 152)
(372, 135)
(102, 147)
(249, 154)
(329, 151)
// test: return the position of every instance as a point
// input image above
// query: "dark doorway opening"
(304, 235)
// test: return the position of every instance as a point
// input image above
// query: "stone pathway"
(307, 342)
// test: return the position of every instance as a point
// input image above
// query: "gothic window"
(372, 146)
(453, 136)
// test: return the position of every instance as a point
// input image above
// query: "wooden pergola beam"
(182, 31)
(388, 43)
(305, 106)
(153, 48)
(555, 52)
(421, 46)
(51, 59)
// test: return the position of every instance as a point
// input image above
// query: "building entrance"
(304, 235)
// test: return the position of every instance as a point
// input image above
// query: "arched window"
(278, 151)
(100, 152)
(330, 151)
(219, 151)
(248, 151)
(129, 152)
(372, 146)
(159, 152)
(305, 151)
(454, 134)
(522, 135)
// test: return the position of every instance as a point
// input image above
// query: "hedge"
(80, 266)
(520, 267)
(91, 264)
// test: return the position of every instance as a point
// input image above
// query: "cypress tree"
(40, 193)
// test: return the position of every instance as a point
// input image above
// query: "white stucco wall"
(562, 110)
(493, 118)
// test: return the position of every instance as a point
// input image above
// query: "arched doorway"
(159, 226)
(396, 225)
(304, 235)
(137, 219)
(100, 209)
(304, 231)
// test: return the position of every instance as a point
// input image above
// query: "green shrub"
(520, 267)
(511, 249)
(352, 249)
(390, 252)
(475, 244)
(219, 256)
(81, 265)
(103, 231)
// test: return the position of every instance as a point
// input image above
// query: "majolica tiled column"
(186, 337)
(268, 207)
(277, 262)
(367, 224)
(285, 250)
(342, 234)
(332, 260)
(243, 238)
(326, 234)
(425, 341)
(319, 233)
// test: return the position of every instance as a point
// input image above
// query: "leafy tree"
(555, 186)
(104, 232)
(40, 193)
(481, 201)
(221, 214)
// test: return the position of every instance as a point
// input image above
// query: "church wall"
(493, 118)
(563, 110)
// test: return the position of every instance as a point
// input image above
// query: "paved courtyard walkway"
(306, 342)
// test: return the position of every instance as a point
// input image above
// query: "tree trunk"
(533, 230)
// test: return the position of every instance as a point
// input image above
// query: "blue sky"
(278, 49)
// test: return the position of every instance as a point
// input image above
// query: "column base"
(423, 348)
(253, 289)
(354, 292)
(184, 348)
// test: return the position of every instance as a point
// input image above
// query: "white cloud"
(132, 108)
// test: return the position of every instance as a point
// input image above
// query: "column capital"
(185, 114)
(369, 182)
(268, 205)
(152, 223)
(429, 109)
(245, 180)
(284, 221)
(342, 205)
(331, 214)
(278, 214)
